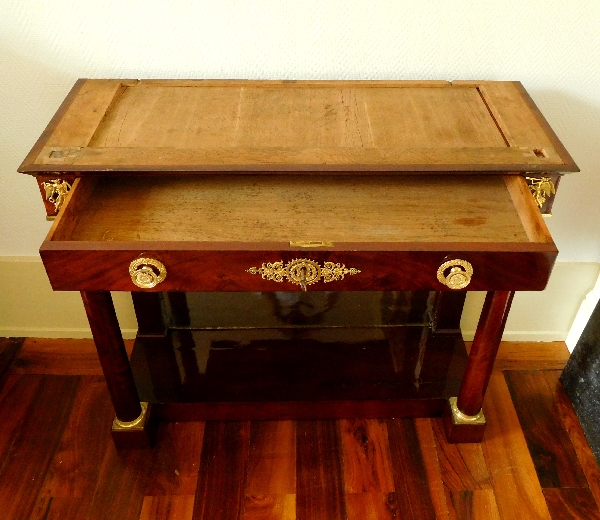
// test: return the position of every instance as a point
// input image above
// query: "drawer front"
(192, 270)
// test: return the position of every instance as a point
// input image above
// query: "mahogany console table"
(383, 202)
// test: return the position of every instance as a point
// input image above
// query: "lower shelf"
(298, 374)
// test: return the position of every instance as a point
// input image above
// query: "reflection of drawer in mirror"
(289, 232)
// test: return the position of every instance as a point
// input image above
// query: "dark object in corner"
(581, 378)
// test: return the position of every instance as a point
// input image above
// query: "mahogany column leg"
(464, 419)
(130, 427)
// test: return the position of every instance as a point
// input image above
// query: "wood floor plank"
(73, 472)
(222, 473)
(180, 507)
(270, 507)
(272, 459)
(477, 504)
(366, 456)
(76, 463)
(410, 474)
(59, 357)
(463, 466)
(432, 467)
(121, 484)
(16, 399)
(61, 508)
(576, 434)
(372, 506)
(514, 479)
(319, 476)
(530, 355)
(571, 504)
(553, 454)
(34, 443)
(176, 459)
(9, 348)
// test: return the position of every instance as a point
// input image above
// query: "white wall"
(551, 46)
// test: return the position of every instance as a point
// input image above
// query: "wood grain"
(67, 357)
(319, 488)
(272, 459)
(121, 483)
(372, 506)
(586, 458)
(222, 472)
(29, 452)
(176, 458)
(167, 507)
(571, 504)
(432, 467)
(523, 355)
(463, 466)
(270, 507)
(513, 477)
(548, 441)
(78, 457)
(366, 456)
(473, 505)
(273, 208)
(324, 126)
(410, 478)
(9, 348)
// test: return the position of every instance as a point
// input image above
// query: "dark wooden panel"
(222, 472)
(148, 312)
(71, 267)
(571, 504)
(410, 476)
(286, 374)
(548, 441)
(319, 477)
(34, 442)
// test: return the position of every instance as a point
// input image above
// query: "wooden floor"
(57, 460)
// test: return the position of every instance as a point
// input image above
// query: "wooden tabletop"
(311, 126)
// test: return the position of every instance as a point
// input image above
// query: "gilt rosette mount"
(303, 272)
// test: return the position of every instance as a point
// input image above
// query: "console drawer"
(278, 233)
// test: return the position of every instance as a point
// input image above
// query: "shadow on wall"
(577, 209)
